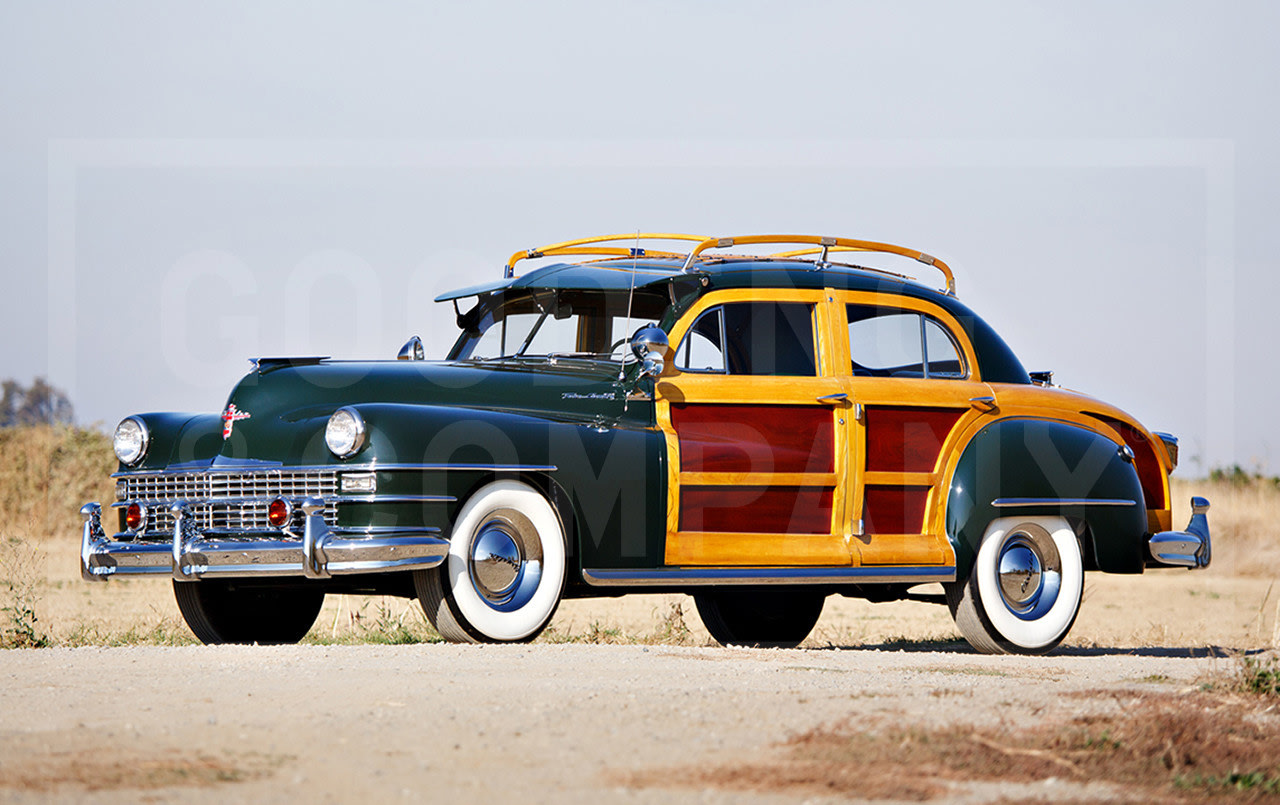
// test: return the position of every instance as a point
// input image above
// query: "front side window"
(890, 342)
(572, 323)
(751, 338)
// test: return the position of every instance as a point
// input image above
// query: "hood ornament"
(229, 418)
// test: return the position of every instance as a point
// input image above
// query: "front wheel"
(220, 611)
(759, 618)
(505, 571)
(1023, 593)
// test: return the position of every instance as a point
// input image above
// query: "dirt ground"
(640, 720)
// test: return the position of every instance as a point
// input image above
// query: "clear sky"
(183, 187)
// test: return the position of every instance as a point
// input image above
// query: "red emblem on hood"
(229, 418)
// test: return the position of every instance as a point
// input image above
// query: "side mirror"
(650, 346)
(412, 350)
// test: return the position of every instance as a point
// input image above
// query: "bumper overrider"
(319, 553)
(1190, 548)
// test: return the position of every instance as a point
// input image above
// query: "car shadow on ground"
(961, 647)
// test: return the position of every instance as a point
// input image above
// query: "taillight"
(135, 517)
(279, 512)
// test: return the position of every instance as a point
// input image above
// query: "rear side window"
(751, 338)
(889, 342)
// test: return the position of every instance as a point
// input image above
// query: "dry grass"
(1244, 521)
(47, 473)
(1149, 747)
(115, 769)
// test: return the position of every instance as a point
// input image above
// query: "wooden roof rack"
(585, 246)
(824, 245)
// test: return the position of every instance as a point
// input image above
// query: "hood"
(279, 411)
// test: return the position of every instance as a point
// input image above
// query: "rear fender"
(1038, 467)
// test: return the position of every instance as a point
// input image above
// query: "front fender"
(612, 477)
(1047, 467)
(178, 438)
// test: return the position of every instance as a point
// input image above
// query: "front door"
(756, 421)
(914, 381)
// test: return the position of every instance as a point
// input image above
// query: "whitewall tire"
(505, 571)
(1024, 591)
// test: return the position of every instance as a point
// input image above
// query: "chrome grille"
(231, 501)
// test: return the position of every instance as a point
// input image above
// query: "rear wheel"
(505, 571)
(1023, 593)
(220, 611)
(760, 618)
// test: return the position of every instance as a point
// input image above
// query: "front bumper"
(318, 554)
(1191, 548)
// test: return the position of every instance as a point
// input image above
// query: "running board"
(715, 576)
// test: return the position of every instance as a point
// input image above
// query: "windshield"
(586, 324)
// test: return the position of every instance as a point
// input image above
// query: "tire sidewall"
(1046, 631)
(476, 614)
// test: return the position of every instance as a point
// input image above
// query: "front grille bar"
(226, 501)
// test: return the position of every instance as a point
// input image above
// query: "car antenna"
(626, 333)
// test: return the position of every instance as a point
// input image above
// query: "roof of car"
(722, 272)
(620, 268)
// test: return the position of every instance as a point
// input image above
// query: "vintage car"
(760, 431)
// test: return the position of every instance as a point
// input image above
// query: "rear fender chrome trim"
(712, 576)
(1006, 503)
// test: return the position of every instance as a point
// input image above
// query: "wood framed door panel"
(757, 468)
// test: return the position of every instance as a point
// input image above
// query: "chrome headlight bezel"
(344, 434)
(131, 440)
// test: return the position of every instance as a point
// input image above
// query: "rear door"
(914, 382)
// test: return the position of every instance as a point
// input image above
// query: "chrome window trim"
(925, 317)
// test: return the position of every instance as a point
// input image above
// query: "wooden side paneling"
(907, 438)
(894, 509)
(751, 509)
(754, 438)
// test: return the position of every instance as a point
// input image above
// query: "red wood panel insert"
(756, 509)
(906, 438)
(754, 438)
(894, 509)
(1145, 461)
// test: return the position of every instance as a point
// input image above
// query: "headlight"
(130, 440)
(345, 432)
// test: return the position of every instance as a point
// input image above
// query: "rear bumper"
(1191, 548)
(319, 553)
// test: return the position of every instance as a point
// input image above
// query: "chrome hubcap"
(495, 561)
(505, 560)
(1030, 571)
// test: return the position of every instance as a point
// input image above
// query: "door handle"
(834, 399)
(984, 404)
